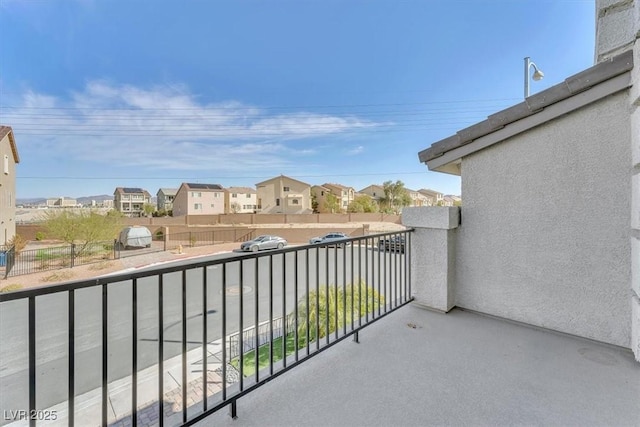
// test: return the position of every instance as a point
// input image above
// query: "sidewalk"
(88, 406)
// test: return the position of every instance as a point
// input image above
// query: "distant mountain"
(81, 200)
(35, 201)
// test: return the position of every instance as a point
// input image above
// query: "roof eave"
(575, 92)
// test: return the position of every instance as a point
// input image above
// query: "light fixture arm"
(537, 74)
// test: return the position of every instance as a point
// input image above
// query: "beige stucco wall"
(185, 200)
(245, 201)
(544, 237)
(269, 191)
(7, 193)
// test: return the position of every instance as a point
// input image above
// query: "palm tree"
(329, 308)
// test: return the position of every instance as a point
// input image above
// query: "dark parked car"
(391, 243)
(332, 239)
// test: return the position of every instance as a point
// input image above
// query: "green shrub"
(39, 236)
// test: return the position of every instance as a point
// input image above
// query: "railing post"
(115, 244)
(433, 254)
(73, 254)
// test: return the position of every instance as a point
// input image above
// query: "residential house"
(199, 199)
(130, 201)
(563, 258)
(451, 200)
(376, 192)
(165, 198)
(344, 194)
(320, 194)
(241, 200)
(283, 194)
(434, 197)
(9, 156)
(418, 199)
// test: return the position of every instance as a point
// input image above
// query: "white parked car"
(263, 242)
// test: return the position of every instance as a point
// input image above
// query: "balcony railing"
(225, 327)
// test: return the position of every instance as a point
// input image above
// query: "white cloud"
(357, 150)
(167, 128)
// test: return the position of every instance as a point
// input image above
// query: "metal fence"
(125, 333)
(57, 257)
(272, 328)
(68, 256)
(7, 258)
(205, 238)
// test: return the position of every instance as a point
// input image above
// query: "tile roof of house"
(241, 190)
(285, 177)
(7, 130)
(429, 191)
(331, 184)
(532, 105)
(168, 191)
(132, 190)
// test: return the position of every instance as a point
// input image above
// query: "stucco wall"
(544, 237)
(7, 193)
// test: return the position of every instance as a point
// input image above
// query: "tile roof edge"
(569, 87)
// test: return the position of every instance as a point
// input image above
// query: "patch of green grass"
(249, 359)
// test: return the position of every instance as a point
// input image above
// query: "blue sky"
(152, 93)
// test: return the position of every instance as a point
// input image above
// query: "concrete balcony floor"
(417, 367)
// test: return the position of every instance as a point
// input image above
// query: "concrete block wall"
(617, 27)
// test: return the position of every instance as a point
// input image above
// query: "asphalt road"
(324, 266)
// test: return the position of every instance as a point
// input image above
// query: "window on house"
(212, 205)
(216, 194)
(277, 202)
(6, 164)
(285, 189)
(234, 195)
(197, 206)
(196, 194)
(295, 202)
(248, 196)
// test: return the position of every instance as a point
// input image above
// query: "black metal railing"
(112, 336)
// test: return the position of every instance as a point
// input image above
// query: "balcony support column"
(433, 254)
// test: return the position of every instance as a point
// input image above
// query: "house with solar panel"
(130, 201)
(199, 199)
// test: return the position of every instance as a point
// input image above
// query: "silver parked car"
(331, 238)
(263, 242)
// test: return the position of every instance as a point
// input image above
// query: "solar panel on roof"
(132, 190)
(205, 186)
